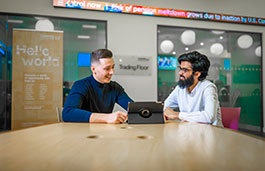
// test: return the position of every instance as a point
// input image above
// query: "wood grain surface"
(170, 146)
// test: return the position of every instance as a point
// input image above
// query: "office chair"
(59, 114)
(230, 117)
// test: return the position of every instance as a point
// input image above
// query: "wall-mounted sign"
(37, 76)
(132, 65)
(153, 11)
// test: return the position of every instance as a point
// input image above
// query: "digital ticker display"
(154, 11)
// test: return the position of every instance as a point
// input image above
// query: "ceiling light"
(40, 18)
(201, 43)
(217, 32)
(258, 51)
(44, 25)
(166, 46)
(16, 21)
(245, 41)
(87, 26)
(221, 37)
(188, 37)
(186, 48)
(217, 48)
(83, 37)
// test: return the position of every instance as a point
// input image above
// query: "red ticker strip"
(153, 11)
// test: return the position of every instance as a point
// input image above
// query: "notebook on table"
(145, 113)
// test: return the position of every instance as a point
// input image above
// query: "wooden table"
(159, 147)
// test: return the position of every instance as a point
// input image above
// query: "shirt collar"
(194, 89)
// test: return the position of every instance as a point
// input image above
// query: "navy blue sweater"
(88, 96)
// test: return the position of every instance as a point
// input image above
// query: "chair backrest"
(59, 114)
(230, 117)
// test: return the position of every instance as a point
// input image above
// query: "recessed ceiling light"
(201, 43)
(221, 37)
(218, 32)
(16, 21)
(186, 48)
(83, 36)
(87, 26)
(40, 18)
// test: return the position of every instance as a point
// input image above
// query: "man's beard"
(186, 82)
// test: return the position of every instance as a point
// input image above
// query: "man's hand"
(117, 117)
(171, 114)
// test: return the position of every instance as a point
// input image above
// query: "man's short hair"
(100, 53)
(199, 62)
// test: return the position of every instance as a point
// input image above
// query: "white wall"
(135, 35)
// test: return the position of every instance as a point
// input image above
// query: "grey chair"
(59, 114)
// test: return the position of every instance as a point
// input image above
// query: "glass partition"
(80, 38)
(235, 66)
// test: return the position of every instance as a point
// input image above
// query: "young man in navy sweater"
(92, 99)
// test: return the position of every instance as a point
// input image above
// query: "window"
(235, 66)
(80, 37)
